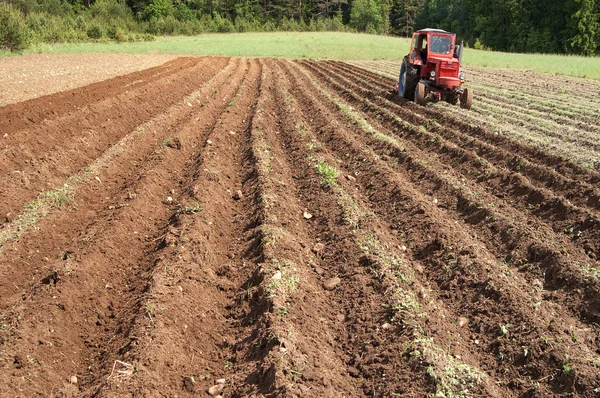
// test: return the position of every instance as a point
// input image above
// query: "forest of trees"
(547, 26)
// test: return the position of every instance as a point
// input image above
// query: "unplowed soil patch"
(260, 227)
(35, 75)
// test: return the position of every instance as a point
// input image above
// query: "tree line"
(548, 26)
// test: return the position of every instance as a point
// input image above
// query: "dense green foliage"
(546, 26)
(14, 34)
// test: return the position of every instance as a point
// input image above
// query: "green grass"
(317, 45)
(571, 65)
(324, 45)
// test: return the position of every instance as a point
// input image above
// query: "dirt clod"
(189, 384)
(52, 278)
(238, 195)
(9, 217)
(174, 143)
(331, 283)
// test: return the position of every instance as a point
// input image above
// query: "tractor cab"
(435, 51)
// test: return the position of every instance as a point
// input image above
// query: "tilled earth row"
(260, 227)
(558, 114)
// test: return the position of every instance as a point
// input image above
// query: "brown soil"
(264, 227)
(35, 75)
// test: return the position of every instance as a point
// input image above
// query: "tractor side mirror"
(457, 51)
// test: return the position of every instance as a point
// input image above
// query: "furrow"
(477, 270)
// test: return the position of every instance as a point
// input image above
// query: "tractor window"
(441, 44)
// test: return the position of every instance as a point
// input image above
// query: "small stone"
(318, 247)
(216, 389)
(462, 321)
(350, 178)
(220, 381)
(73, 379)
(238, 195)
(331, 283)
(307, 215)
(276, 276)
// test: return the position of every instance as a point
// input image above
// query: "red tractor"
(432, 69)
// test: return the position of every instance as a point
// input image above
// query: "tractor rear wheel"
(420, 94)
(408, 80)
(466, 99)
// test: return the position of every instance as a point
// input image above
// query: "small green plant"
(567, 368)
(167, 141)
(192, 209)
(58, 197)
(284, 311)
(328, 174)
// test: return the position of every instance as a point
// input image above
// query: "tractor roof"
(430, 30)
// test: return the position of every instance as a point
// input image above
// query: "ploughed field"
(262, 227)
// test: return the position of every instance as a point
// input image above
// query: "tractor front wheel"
(420, 94)
(466, 99)
(408, 80)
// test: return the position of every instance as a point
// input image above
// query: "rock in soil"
(331, 283)
(318, 247)
(276, 276)
(216, 389)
